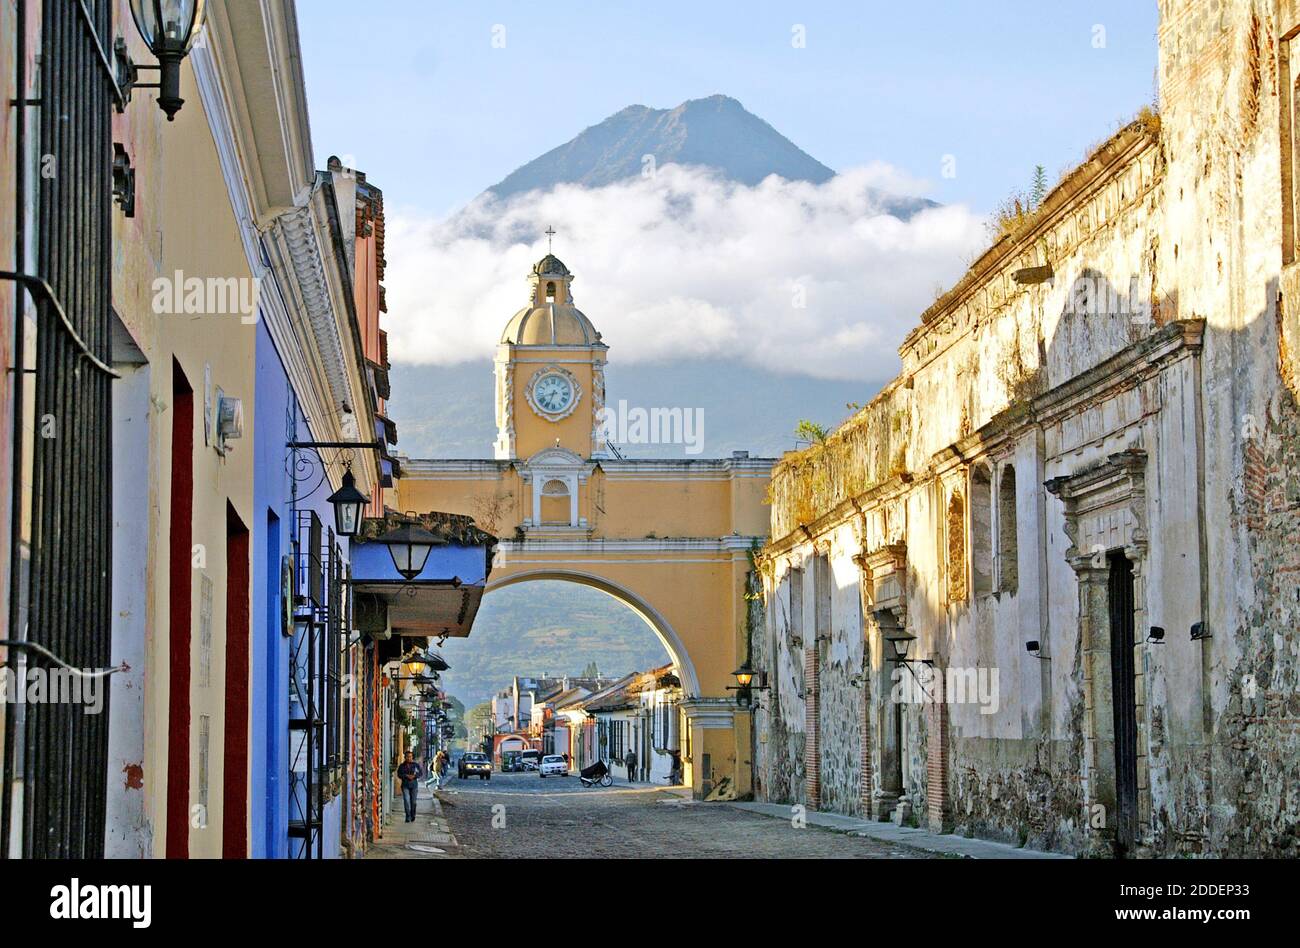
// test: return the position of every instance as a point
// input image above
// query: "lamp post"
(169, 27)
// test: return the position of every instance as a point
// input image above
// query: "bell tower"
(550, 372)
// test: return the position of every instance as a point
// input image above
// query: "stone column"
(1097, 769)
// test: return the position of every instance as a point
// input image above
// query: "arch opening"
(648, 614)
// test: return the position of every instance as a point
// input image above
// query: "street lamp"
(746, 685)
(409, 547)
(746, 674)
(169, 27)
(348, 503)
(901, 645)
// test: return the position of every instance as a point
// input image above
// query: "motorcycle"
(596, 775)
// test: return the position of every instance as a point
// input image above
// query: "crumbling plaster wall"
(1222, 95)
(1176, 218)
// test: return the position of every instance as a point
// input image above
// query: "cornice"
(1120, 153)
(295, 301)
(1124, 370)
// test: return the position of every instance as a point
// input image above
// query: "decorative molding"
(599, 446)
(274, 305)
(307, 259)
(1105, 509)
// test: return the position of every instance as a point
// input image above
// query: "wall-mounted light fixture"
(169, 28)
(1157, 635)
(748, 681)
(902, 644)
(348, 503)
(1200, 631)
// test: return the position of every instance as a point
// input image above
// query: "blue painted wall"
(276, 421)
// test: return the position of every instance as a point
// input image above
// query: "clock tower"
(550, 373)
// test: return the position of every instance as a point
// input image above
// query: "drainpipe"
(19, 383)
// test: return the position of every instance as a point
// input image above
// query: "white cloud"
(686, 264)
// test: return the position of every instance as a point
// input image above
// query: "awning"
(444, 598)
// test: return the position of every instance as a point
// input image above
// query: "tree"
(479, 718)
(591, 671)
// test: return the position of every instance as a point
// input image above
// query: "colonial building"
(202, 360)
(639, 714)
(1045, 586)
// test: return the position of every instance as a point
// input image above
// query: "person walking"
(440, 767)
(409, 773)
(629, 761)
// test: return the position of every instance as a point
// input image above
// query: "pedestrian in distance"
(629, 761)
(409, 773)
(440, 767)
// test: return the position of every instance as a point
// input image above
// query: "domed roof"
(550, 318)
(550, 324)
(551, 265)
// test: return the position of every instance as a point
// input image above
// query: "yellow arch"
(651, 616)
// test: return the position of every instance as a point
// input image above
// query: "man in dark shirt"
(409, 772)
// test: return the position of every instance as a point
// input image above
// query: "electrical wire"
(46, 653)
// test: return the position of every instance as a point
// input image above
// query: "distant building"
(638, 713)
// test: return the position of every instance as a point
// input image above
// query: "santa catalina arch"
(670, 538)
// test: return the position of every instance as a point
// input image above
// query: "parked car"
(474, 764)
(554, 765)
(530, 759)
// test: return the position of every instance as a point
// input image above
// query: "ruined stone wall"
(840, 655)
(1228, 74)
(1167, 333)
(779, 721)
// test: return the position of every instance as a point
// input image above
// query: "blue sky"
(415, 94)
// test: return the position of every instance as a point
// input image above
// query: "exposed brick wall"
(867, 778)
(812, 712)
(936, 797)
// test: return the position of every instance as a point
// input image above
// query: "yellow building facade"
(672, 539)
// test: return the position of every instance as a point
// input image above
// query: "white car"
(553, 764)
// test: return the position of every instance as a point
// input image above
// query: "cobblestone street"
(557, 818)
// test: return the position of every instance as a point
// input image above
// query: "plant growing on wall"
(811, 432)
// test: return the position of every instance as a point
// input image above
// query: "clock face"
(553, 394)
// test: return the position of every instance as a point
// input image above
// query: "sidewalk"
(429, 837)
(945, 844)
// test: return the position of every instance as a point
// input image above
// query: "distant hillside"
(446, 411)
(551, 628)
